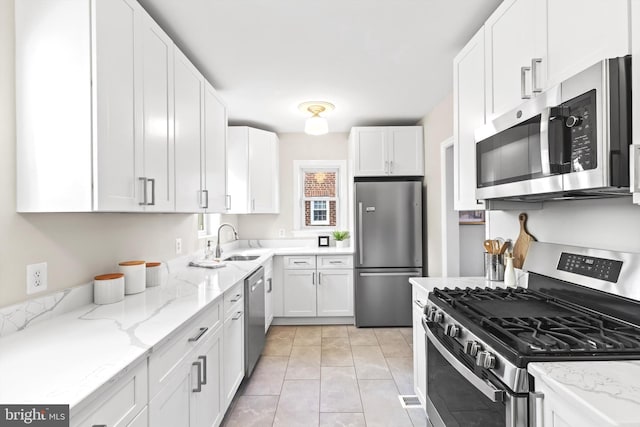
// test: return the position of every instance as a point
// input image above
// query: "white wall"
(76, 246)
(606, 223)
(293, 146)
(438, 126)
(471, 250)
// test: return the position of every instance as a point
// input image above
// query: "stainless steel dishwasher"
(254, 336)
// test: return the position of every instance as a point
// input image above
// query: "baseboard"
(348, 320)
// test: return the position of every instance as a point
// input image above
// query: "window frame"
(341, 199)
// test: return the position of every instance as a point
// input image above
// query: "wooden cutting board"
(521, 247)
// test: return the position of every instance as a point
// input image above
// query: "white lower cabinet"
(325, 291)
(233, 360)
(554, 410)
(419, 346)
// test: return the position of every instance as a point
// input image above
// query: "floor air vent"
(409, 401)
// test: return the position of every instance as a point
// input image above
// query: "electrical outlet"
(36, 277)
(281, 232)
(178, 246)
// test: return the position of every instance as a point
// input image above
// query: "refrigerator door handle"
(360, 238)
(406, 273)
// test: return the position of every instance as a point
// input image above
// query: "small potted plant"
(341, 238)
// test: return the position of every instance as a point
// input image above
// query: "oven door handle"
(494, 394)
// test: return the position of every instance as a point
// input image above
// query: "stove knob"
(472, 348)
(486, 360)
(453, 331)
(438, 317)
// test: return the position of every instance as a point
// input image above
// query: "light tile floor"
(329, 376)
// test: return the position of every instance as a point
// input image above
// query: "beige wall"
(438, 126)
(293, 146)
(76, 246)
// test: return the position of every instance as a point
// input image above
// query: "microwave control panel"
(598, 268)
(581, 120)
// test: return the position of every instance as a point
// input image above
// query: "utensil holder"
(493, 267)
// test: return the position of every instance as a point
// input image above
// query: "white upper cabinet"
(215, 151)
(571, 48)
(110, 116)
(468, 115)
(515, 38)
(253, 182)
(387, 150)
(158, 143)
(189, 93)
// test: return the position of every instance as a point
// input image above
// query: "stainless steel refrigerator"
(388, 249)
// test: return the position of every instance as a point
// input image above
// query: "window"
(319, 187)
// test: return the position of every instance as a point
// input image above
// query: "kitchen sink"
(242, 258)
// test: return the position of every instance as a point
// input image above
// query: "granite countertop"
(606, 392)
(69, 358)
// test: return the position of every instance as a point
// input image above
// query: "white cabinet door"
(405, 151)
(206, 397)
(157, 88)
(569, 52)
(468, 115)
(299, 293)
(170, 407)
(117, 97)
(188, 102)
(233, 339)
(553, 409)
(214, 179)
(370, 151)
(335, 292)
(142, 420)
(419, 346)
(515, 34)
(238, 169)
(263, 172)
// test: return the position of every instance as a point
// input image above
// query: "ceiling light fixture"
(316, 124)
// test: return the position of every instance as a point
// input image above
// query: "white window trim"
(342, 199)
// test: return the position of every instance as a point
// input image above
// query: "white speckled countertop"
(606, 392)
(70, 357)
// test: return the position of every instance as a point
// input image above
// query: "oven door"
(458, 397)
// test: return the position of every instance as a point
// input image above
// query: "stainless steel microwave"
(571, 141)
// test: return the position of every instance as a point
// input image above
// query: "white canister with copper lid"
(156, 274)
(108, 288)
(134, 276)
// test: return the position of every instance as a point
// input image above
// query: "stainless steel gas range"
(580, 304)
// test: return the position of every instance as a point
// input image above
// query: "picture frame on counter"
(323, 241)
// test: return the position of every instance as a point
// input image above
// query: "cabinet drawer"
(163, 363)
(299, 262)
(231, 298)
(120, 404)
(335, 261)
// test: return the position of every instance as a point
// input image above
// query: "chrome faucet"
(235, 235)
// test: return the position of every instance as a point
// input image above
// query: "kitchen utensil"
(493, 266)
(521, 247)
(488, 246)
(504, 247)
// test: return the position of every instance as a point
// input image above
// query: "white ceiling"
(380, 62)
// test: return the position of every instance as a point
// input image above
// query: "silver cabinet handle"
(204, 369)
(198, 388)
(236, 298)
(199, 335)
(494, 394)
(319, 278)
(253, 204)
(535, 62)
(537, 413)
(402, 273)
(300, 262)
(270, 287)
(336, 262)
(144, 191)
(360, 238)
(386, 166)
(390, 166)
(153, 191)
(634, 169)
(313, 278)
(418, 303)
(204, 199)
(227, 200)
(237, 316)
(523, 82)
